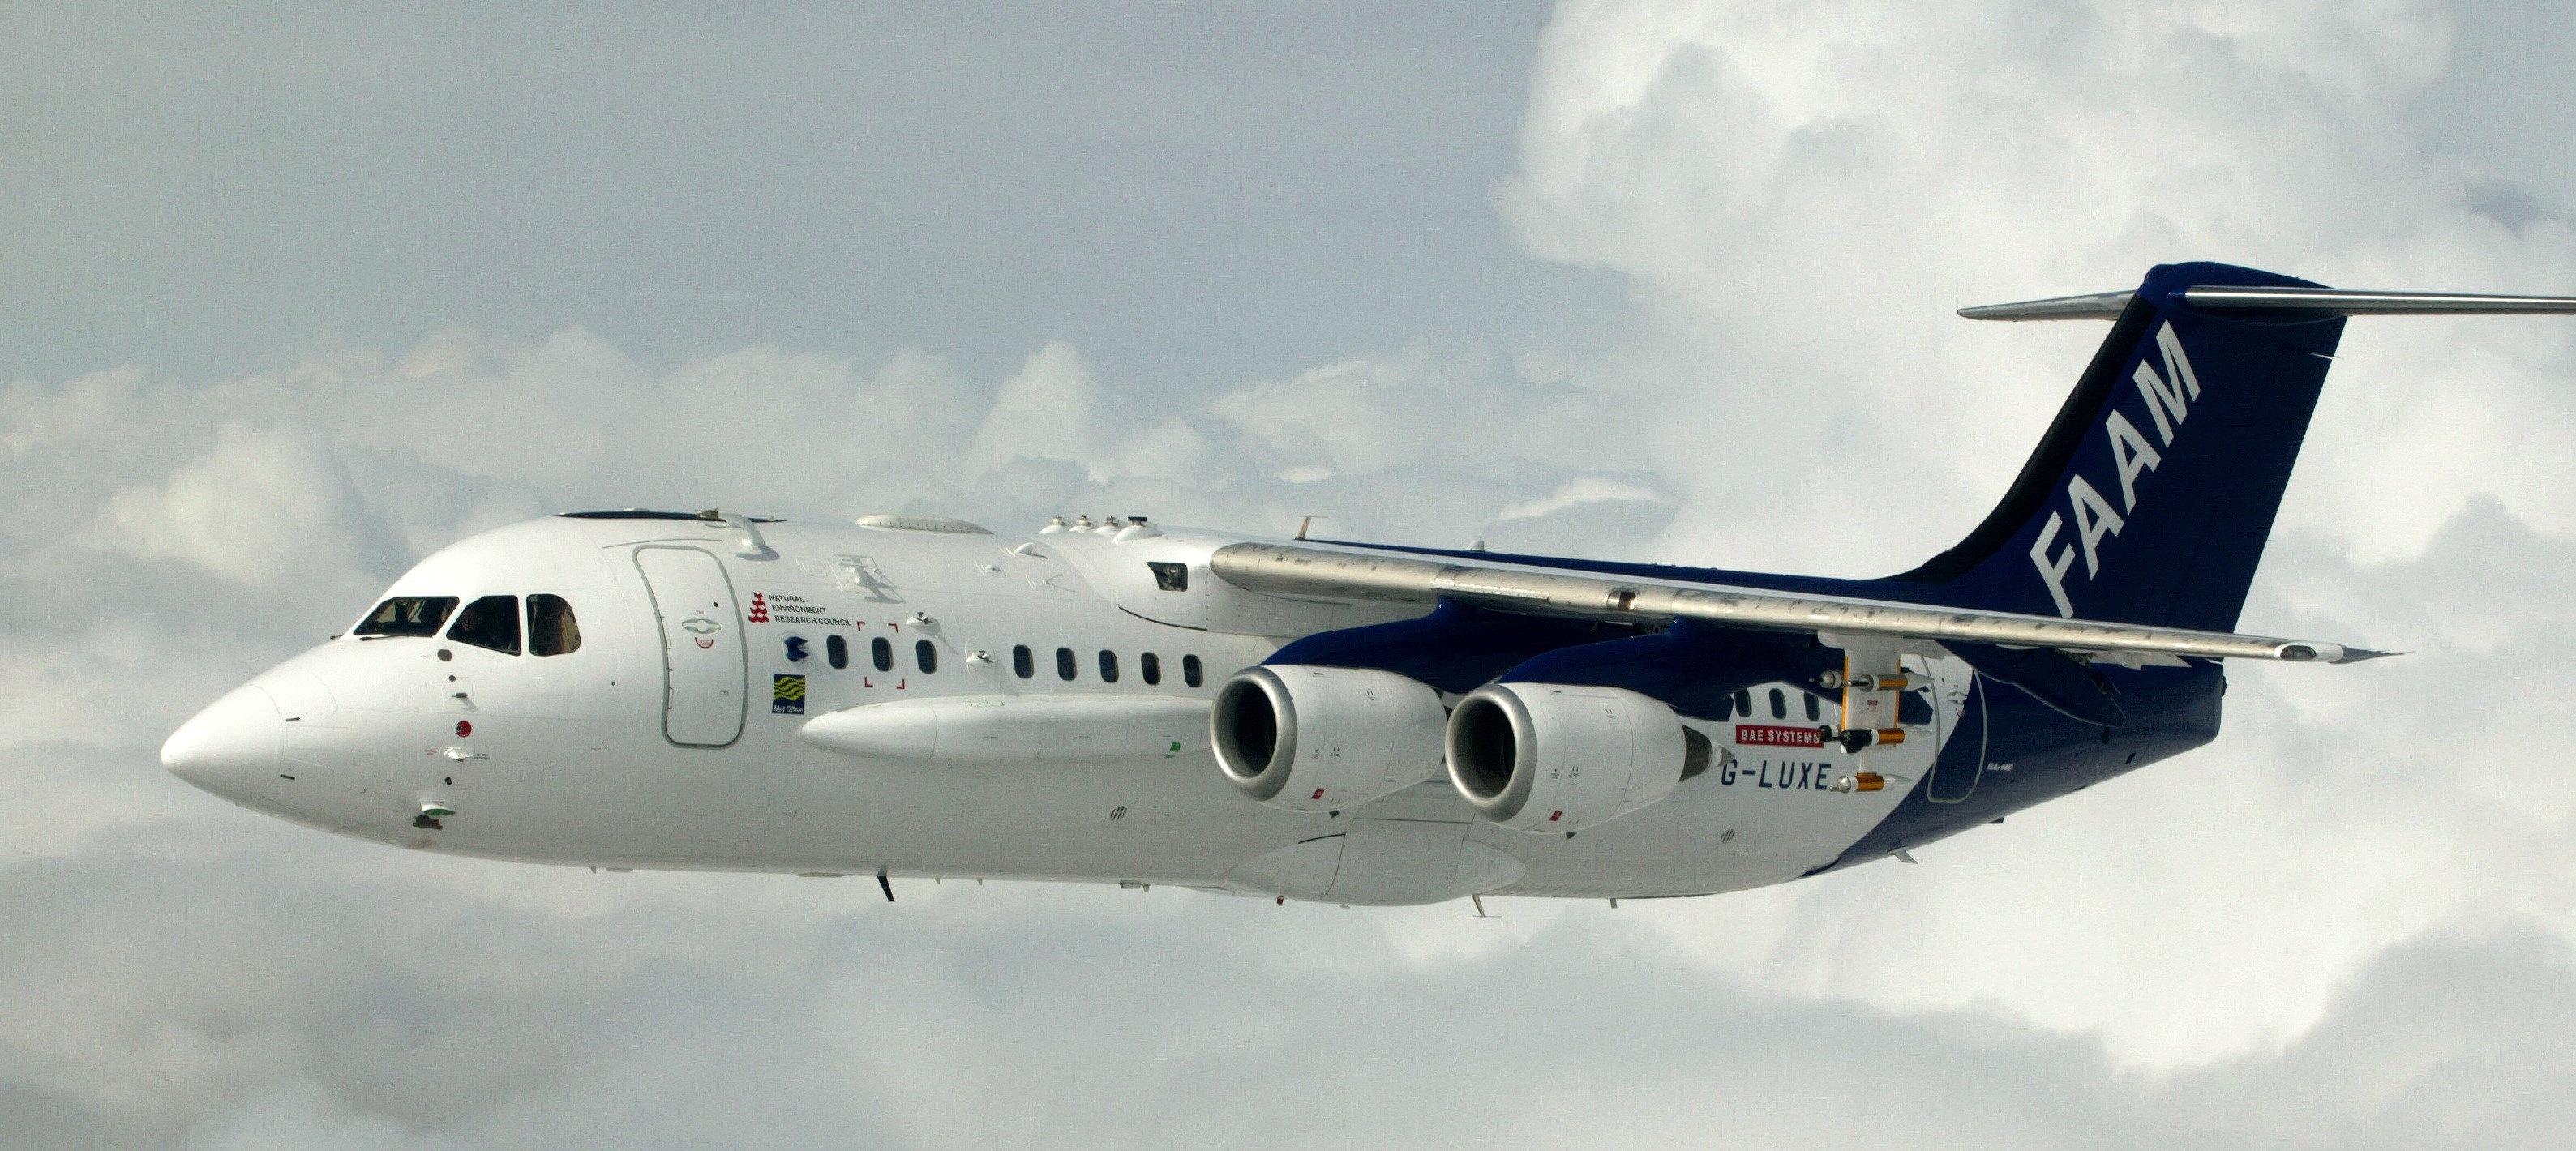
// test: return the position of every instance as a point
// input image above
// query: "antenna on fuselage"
(750, 546)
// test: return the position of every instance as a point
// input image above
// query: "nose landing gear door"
(703, 659)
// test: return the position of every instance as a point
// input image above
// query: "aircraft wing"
(1280, 569)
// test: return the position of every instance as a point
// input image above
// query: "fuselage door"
(703, 658)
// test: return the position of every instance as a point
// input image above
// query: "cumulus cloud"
(383, 1007)
(2296, 937)
(1578, 492)
(260, 505)
(1802, 191)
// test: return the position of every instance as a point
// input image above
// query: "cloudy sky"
(289, 298)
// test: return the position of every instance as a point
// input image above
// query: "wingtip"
(2358, 654)
(2092, 306)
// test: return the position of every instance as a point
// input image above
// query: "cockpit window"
(408, 615)
(551, 628)
(492, 621)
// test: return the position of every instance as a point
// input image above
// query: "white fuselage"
(667, 738)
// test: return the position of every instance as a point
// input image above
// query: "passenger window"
(407, 615)
(1779, 705)
(1108, 666)
(1744, 702)
(551, 628)
(1813, 708)
(925, 655)
(490, 622)
(1151, 667)
(837, 650)
(1171, 577)
(881, 653)
(1190, 671)
(1023, 664)
(1064, 663)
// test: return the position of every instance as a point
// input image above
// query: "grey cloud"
(1802, 191)
(2208, 907)
(1191, 193)
(180, 536)
(330, 997)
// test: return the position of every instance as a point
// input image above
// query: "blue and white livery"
(1120, 701)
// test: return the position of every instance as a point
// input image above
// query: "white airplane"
(1115, 701)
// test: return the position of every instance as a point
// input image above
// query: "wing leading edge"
(1313, 571)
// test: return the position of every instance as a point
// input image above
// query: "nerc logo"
(2168, 399)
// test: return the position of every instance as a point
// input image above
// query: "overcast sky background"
(290, 297)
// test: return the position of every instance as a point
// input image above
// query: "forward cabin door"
(703, 658)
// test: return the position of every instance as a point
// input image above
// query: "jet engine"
(1543, 757)
(1307, 738)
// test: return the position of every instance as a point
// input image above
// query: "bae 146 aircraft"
(1120, 701)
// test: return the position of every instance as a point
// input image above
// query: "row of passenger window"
(1024, 662)
(490, 622)
(1742, 705)
(1149, 666)
(925, 654)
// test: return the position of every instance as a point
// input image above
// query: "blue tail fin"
(2151, 496)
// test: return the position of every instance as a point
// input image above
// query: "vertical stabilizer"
(2151, 496)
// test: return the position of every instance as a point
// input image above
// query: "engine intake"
(1307, 738)
(1542, 757)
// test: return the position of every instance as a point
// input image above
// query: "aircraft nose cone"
(232, 748)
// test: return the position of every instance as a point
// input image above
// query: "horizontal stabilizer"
(2305, 301)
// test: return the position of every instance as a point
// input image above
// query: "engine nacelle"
(1544, 757)
(1324, 738)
